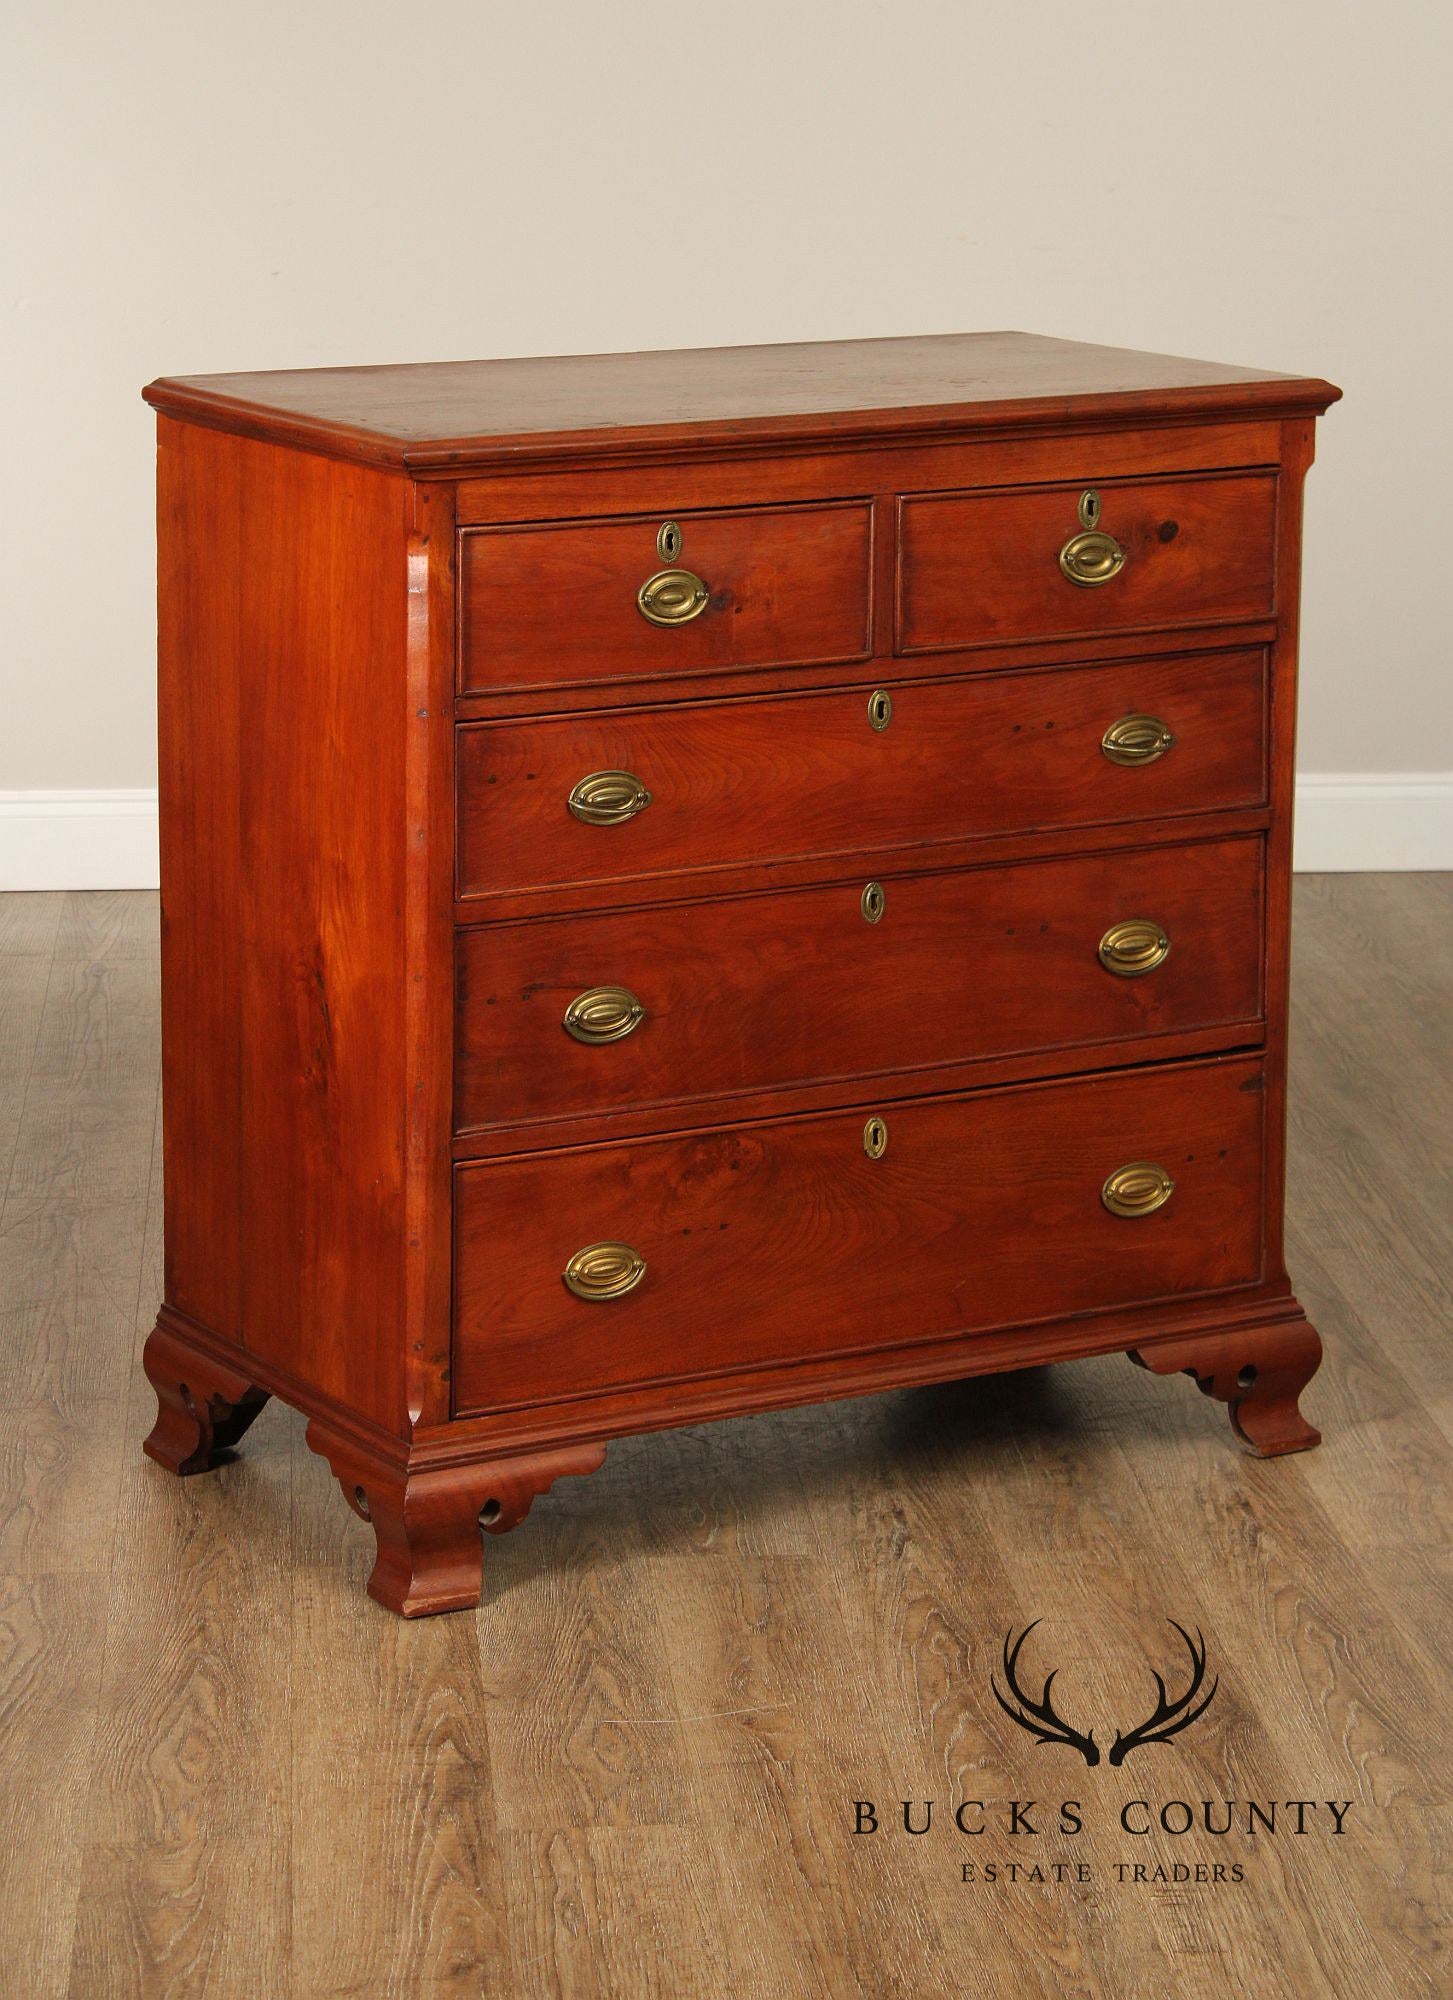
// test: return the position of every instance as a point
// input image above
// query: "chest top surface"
(449, 417)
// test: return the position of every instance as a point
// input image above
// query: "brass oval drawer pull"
(1136, 739)
(604, 1271)
(603, 1014)
(672, 597)
(1133, 948)
(606, 798)
(1091, 558)
(1136, 1189)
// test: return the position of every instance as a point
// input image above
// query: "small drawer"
(688, 1003)
(612, 798)
(1064, 562)
(670, 1258)
(562, 606)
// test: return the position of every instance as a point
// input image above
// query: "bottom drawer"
(766, 1242)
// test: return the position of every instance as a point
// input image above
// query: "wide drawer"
(766, 1242)
(620, 796)
(563, 605)
(687, 1002)
(978, 569)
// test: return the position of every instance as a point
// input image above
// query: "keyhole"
(1089, 508)
(880, 708)
(871, 902)
(668, 541)
(875, 1138)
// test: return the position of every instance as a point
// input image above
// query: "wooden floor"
(632, 1772)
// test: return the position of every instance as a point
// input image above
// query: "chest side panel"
(283, 605)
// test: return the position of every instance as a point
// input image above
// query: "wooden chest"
(697, 882)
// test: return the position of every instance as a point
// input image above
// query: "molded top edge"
(449, 418)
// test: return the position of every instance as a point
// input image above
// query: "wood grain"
(837, 1252)
(448, 418)
(554, 608)
(315, 583)
(283, 647)
(664, 488)
(809, 775)
(795, 989)
(1196, 552)
(758, 1622)
(390, 1781)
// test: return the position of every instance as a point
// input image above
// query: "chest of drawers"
(698, 882)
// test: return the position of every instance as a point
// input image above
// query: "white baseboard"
(78, 840)
(1346, 820)
(1370, 821)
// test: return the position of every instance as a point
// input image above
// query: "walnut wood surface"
(796, 988)
(445, 417)
(786, 1239)
(762, 780)
(549, 608)
(216, 1742)
(978, 568)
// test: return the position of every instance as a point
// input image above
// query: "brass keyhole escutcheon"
(668, 541)
(880, 708)
(872, 902)
(1136, 1189)
(1089, 508)
(875, 1138)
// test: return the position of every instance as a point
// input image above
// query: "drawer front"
(975, 569)
(770, 1242)
(748, 781)
(562, 606)
(687, 1002)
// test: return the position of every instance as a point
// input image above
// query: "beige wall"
(197, 187)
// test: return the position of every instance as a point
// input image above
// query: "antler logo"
(1038, 1717)
(1167, 1719)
